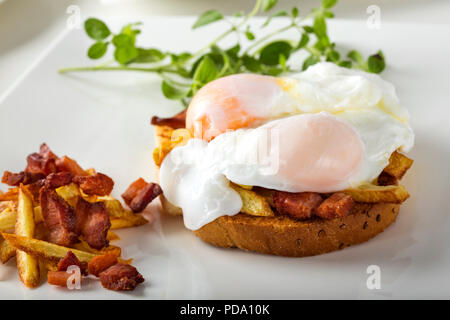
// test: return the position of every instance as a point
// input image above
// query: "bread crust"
(284, 236)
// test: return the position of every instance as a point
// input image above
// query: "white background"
(27, 27)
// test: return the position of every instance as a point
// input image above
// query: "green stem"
(268, 36)
(117, 68)
(294, 23)
(181, 84)
(313, 51)
(229, 31)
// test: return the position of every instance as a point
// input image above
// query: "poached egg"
(323, 130)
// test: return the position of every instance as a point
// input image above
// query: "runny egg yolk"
(230, 103)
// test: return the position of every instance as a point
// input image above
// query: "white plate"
(102, 120)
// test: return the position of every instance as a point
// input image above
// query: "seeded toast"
(285, 236)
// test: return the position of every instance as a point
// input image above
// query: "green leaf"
(376, 63)
(328, 14)
(180, 58)
(221, 60)
(282, 61)
(320, 26)
(281, 13)
(206, 71)
(356, 56)
(345, 64)
(268, 4)
(308, 29)
(250, 36)
(124, 55)
(273, 71)
(97, 50)
(333, 56)
(233, 51)
(294, 12)
(271, 52)
(149, 55)
(238, 14)
(311, 60)
(96, 29)
(207, 17)
(303, 41)
(122, 40)
(232, 54)
(171, 92)
(322, 43)
(251, 64)
(328, 3)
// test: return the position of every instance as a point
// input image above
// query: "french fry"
(27, 265)
(111, 236)
(11, 195)
(125, 218)
(119, 223)
(45, 250)
(70, 193)
(45, 266)
(398, 165)
(7, 251)
(8, 218)
(5, 205)
(169, 139)
(253, 203)
(84, 246)
(266, 194)
(373, 194)
(115, 208)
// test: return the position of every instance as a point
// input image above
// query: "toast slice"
(285, 236)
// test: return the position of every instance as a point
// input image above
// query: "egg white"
(196, 176)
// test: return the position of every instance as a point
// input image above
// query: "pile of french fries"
(23, 232)
(258, 201)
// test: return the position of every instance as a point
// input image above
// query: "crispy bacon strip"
(59, 218)
(71, 260)
(56, 180)
(92, 223)
(132, 190)
(99, 184)
(58, 278)
(121, 277)
(43, 162)
(145, 196)
(38, 164)
(67, 164)
(337, 205)
(101, 263)
(176, 122)
(298, 205)
(45, 151)
(15, 179)
(140, 193)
